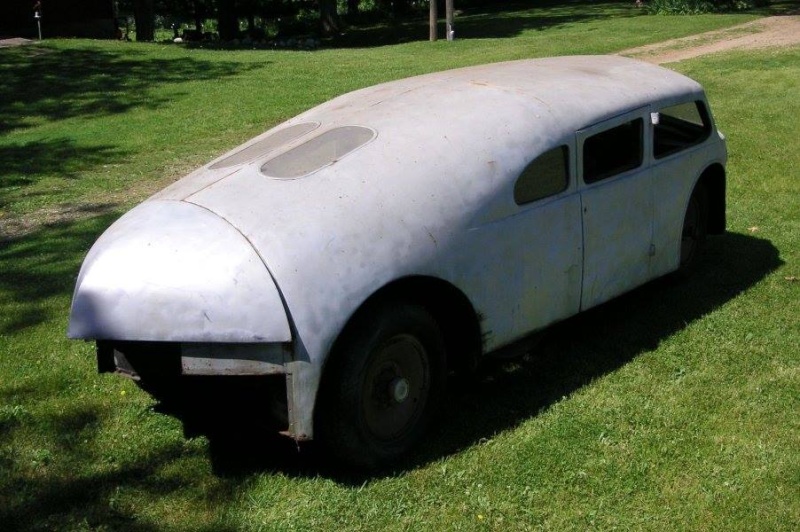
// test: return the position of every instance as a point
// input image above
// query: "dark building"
(60, 18)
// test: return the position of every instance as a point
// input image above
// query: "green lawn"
(673, 407)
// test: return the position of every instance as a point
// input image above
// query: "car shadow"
(570, 355)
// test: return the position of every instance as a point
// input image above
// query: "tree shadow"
(23, 164)
(503, 21)
(492, 21)
(66, 499)
(241, 440)
(572, 354)
(55, 84)
(45, 263)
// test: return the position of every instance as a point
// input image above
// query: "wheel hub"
(396, 387)
(399, 389)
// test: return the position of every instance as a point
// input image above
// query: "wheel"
(382, 385)
(695, 229)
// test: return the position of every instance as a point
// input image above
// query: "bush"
(679, 7)
(696, 7)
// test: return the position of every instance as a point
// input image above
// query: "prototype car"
(361, 250)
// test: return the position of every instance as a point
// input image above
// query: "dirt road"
(762, 33)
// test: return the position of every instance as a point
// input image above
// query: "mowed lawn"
(673, 407)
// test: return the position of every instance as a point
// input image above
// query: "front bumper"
(160, 359)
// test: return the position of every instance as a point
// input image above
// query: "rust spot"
(295, 437)
(435, 243)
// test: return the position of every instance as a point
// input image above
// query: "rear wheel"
(382, 386)
(695, 229)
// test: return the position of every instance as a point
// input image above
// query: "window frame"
(705, 117)
(583, 135)
(567, 158)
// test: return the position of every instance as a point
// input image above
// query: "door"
(522, 270)
(617, 206)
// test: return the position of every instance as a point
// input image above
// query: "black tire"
(694, 231)
(381, 387)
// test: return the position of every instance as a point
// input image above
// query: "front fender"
(171, 271)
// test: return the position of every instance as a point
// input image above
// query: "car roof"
(560, 95)
(462, 134)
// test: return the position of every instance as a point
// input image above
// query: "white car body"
(252, 273)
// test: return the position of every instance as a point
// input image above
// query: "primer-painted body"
(248, 258)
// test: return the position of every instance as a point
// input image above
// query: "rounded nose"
(173, 271)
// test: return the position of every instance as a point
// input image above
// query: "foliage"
(286, 18)
(679, 7)
(696, 7)
(670, 408)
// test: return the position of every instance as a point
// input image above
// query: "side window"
(679, 127)
(545, 176)
(613, 151)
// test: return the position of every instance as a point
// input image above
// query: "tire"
(694, 231)
(382, 386)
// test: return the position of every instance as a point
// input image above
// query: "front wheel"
(382, 386)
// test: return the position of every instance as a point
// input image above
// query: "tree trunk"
(352, 7)
(433, 18)
(227, 20)
(144, 15)
(328, 17)
(449, 29)
(198, 12)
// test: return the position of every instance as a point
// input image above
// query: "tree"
(182, 11)
(145, 17)
(329, 17)
(227, 20)
(396, 8)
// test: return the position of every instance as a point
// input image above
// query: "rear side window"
(613, 151)
(545, 176)
(318, 152)
(679, 127)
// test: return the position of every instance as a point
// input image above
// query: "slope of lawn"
(674, 406)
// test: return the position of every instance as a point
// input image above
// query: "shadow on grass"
(571, 355)
(44, 264)
(492, 21)
(42, 493)
(54, 84)
(22, 165)
(241, 442)
(40, 490)
(42, 84)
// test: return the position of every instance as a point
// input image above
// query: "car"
(356, 254)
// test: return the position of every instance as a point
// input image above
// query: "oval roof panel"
(266, 145)
(318, 152)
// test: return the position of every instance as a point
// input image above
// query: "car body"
(380, 239)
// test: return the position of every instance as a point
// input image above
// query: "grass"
(671, 407)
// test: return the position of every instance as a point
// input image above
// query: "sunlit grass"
(673, 407)
(128, 118)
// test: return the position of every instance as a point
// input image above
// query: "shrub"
(696, 7)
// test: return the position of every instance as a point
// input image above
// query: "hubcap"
(399, 389)
(396, 387)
